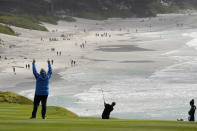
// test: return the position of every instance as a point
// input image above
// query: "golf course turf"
(15, 117)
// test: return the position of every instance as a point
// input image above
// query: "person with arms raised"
(42, 89)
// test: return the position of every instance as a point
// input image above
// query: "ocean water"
(161, 95)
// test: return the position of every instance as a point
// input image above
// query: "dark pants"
(104, 116)
(37, 99)
(192, 118)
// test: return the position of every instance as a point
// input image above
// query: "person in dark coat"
(192, 111)
(108, 109)
(42, 89)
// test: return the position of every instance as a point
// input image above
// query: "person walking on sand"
(72, 62)
(14, 70)
(108, 109)
(42, 89)
(192, 111)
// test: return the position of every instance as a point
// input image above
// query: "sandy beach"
(146, 65)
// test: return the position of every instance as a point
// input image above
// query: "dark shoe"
(44, 118)
(32, 118)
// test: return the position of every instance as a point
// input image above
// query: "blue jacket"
(42, 84)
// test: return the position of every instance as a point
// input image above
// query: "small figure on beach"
(52, 62)
(192, 111)
(108, 109)
(82, 45)
(14, 70)
(42, 89)
(57, 53)
(28, 66)
(72, 62)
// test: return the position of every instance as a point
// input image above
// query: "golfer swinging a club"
(108, 108)
(42, 88)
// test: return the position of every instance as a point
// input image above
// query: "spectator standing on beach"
(42, 89)
(72, 62)
(14, 70)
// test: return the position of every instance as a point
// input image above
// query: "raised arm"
(49, 69)
(104, 103)
(34, 69)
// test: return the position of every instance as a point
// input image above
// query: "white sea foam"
(171, 52)
(192, 43)
(136, 96)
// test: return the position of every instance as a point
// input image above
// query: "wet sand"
(121, 48)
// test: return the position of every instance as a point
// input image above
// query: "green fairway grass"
(15, 117)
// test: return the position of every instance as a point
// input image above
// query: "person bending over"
(108, 109)
(42, 89)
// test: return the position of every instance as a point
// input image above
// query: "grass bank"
(68, 19)
(6, 30)
(15, 117)
(30, 21)
(23, 21)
